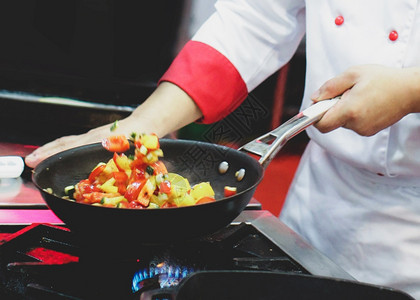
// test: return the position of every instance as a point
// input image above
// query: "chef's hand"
(373, 98)
(159, 114)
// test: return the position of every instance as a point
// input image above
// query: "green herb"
(149, 170)
(114, 125)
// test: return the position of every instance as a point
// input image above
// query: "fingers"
(348, 114)
(342, 113)
(64, 143)
(93, 136)
(61, 144)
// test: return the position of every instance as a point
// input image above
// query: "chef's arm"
(373, 98)
(167, 109)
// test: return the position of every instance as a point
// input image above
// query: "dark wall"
(99, 50)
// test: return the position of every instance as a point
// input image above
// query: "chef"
(356, 193)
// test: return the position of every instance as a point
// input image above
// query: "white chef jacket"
(355, 198)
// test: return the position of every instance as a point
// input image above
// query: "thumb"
(334, 87)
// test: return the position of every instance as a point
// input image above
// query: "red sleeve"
(209, 78)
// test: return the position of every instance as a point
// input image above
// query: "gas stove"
(255, 257)
(42, 261)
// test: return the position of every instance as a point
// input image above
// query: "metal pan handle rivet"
(240, 174)
(223, 167)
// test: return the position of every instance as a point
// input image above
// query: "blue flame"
(169, 275)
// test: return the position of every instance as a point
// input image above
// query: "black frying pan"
(151, 225)
(197, 161)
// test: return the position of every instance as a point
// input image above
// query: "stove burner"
(162, 275)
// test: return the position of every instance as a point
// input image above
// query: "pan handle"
(269, 144)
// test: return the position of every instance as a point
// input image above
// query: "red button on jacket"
(393, 35)
(339, 20)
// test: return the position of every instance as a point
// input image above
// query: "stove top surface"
(249, 259)
(19, 192)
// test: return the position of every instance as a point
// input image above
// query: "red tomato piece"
(205, 200)
(229, 191)
(121, 180)
(84, 187)
(94, 197)
(137, 143)
(122, 188)
(166, 204)
(165, 187)
(116, 143)
(124, 204)
(137, 175)
(138, 163)
(133, 190)
(95, 173)
(115, 159)
(108, 205)
(135, 205)
(159, 168)
(120, 177)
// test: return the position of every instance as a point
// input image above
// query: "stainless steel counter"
(292, 244)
